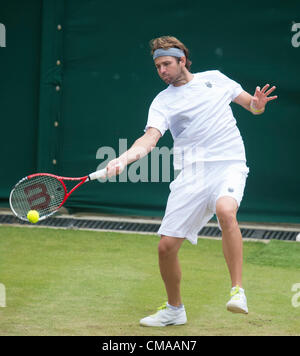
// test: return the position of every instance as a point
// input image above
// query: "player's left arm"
(256, 104)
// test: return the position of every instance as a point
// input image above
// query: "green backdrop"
(77, 76)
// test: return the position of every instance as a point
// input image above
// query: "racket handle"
(98, 174)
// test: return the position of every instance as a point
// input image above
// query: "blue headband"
(173, 52)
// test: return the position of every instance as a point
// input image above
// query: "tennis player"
(209, 153)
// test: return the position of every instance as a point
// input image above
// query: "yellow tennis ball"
(33, 216)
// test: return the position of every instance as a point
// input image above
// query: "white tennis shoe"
(238, 301)
(165, 316)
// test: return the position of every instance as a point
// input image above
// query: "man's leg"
(226, 209)
(172, 313)
(170, 268)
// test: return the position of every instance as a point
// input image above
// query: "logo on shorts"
(231, 190)
(208, 84)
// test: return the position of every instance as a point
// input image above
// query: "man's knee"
(226, 212)
(168, 246)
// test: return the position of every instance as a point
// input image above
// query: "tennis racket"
(45, 193)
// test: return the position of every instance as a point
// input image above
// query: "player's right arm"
(141, 147)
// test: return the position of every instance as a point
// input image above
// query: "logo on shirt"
(208, 84)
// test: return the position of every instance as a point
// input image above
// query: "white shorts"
(194, 193)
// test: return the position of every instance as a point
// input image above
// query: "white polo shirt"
(200, 119)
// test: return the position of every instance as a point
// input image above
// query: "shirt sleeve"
(157, 117)
(234, 88)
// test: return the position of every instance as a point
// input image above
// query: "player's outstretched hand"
(261, 98)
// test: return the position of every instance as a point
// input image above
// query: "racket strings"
(42, 193)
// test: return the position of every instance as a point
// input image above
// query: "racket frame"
(95, 175)
(61, 180)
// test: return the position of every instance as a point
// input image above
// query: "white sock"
(172, 307)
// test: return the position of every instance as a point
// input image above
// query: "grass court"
(74, 282)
